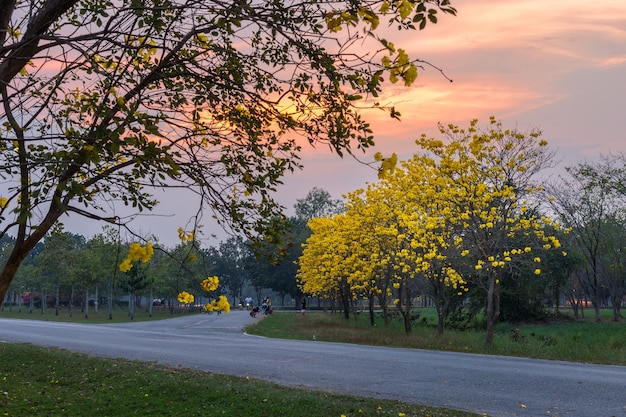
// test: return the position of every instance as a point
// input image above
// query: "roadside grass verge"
(567, 340)
(37, 381)
(119, 314)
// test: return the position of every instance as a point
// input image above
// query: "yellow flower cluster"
(186, 236)
(210, 284)
(136, 252)
(186, 298)
(221, 304)
(3, 202)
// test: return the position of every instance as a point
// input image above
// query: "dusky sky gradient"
(558, 66)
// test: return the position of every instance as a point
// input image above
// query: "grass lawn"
(569, 340)
(42, 382)
(119, 314)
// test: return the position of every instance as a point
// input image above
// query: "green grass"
(568, 340)
(37, 381)
(119, 314)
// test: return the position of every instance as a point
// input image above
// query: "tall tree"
(317, 203)
(59, 260)
(229, 262)
(489, 177)
(102, 100)
(590, 201)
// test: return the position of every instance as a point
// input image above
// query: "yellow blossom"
(126, 265)
(210, 283)
(186, 298)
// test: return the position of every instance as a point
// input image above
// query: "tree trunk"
(441, 305)
(110, 299)
(71, 300)
(371, 310)
(596, 310)
(131, 306)
(56, 300)
(97, 297)
(151, 301)
(493, 310)
(86, 302)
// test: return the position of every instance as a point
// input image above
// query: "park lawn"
(36, 381)
(568, 340)
(119, 314)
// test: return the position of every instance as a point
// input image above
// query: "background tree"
(59, 261)
(104, 253)
(317, 203)
(589, 201)
(613, 262)
(103, 101)
(229, 262)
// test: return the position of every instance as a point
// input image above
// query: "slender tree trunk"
(86, 302)
(71, 300)
(131, 306)
(493, 309)
(110, 299)
(441, 304)
(151, 301)
(406, 312)
(371, 309)
(97, 297)
(56, 300)
(596, 310)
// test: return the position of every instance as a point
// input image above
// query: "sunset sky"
(559, 66)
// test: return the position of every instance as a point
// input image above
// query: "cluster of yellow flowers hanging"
(219, 305)
(186, 298)
(209, 284)
(186, 236)
(136, 252)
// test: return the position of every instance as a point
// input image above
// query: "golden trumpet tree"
(454, 214)
(333, 264)
(487, 183)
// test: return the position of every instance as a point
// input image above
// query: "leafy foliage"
(105, 100)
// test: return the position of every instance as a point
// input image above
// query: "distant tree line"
(75, 274)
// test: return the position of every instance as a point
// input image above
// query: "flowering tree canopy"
(461, 210)
(103, 100)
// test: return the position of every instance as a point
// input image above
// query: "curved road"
(495, 385)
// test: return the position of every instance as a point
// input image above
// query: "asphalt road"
(495, 385)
